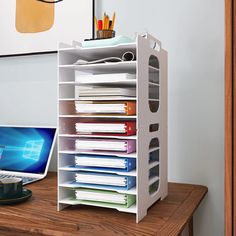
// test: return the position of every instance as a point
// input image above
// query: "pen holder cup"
(105, 34)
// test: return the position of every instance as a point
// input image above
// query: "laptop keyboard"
(25, 180)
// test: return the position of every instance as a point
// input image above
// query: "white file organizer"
(148, 50)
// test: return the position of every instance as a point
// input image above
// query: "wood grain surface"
(39, 215)
(229, 117)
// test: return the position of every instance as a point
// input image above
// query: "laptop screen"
(24, 149)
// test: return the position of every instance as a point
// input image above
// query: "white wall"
(193, 33)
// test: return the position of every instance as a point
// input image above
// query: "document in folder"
(105, 196)
(102, 128)
(95, 107)
(100, 162)
(127, 146)
(85, 91)
(92, 178)
(104, 78)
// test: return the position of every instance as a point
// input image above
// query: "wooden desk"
(39, 215)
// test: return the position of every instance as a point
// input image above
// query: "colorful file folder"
(127, 146)
(96, 162)
(104, 196)
(103, 128)
(88, 179)
(116, 107)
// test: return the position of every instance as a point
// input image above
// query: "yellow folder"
(33, 16)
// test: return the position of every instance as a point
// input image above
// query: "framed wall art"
(36, 26)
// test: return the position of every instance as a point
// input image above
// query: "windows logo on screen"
(32, 149)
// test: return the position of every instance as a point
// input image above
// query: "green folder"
(101, 198)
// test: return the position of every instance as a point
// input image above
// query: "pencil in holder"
(105, 34)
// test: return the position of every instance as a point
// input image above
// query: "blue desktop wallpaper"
(25, 149)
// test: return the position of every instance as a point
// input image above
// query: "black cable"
(53, 2)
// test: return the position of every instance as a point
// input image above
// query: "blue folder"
(130, 182)
(130, 163)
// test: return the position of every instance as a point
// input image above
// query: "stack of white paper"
(100, 127)
(88, 107)
(101, 179)
(104, 78)
(100, 162)
(106, 91)
(110, 197)
(109, 145)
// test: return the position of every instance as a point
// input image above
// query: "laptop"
(25, 152)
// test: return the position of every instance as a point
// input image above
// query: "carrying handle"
(153, 41)
(52, 2)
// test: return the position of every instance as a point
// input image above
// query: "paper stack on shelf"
(92, 179)
(100, 161)
(127, 146)
(125, 128)
(104, 196)
(104, 78)
(96, 107)
(85, 91)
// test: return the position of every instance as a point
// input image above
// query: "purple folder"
(131, 145)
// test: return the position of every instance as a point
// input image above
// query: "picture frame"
(22, 36)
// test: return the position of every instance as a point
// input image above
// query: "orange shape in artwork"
(33, 16)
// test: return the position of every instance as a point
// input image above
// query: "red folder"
(130, 128)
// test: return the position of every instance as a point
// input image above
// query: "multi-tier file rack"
(150, 68)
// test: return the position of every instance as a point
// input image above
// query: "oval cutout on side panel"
(154, 86)
(154, 166)
(153, 188)
(154, 143)
(153, 61)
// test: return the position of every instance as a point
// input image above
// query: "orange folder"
(129, 128)
(130, 108)
(97, 107)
